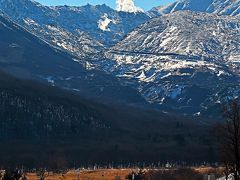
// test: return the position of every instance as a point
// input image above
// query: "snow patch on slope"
(104, 22)
(181, 60)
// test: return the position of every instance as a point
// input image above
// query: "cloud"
(127, 6)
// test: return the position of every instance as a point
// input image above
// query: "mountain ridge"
(26, 56)
(140, 59)
(220, 7)
(168, 59)
(72, 19)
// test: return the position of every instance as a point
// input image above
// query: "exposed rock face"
(184, 60)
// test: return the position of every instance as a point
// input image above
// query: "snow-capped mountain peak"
(127, 6)
(187, 49)
(104, 22)
(100, 22)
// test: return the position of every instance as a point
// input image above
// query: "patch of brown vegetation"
(209, 170)
(121, 174)
(100, 174)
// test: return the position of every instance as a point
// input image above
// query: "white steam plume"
(127, 6)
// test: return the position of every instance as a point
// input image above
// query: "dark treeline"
(175, 174)
(42, 126)
(32, 109)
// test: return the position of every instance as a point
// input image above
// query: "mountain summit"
(104, 25)
(127, 6)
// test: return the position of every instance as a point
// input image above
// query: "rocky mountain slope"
(220, 7)
(83, 31)
(168, 59)
(26, 56)
(184, 61)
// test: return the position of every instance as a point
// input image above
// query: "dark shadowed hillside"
(46, 126)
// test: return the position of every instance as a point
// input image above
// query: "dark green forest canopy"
(61, 127)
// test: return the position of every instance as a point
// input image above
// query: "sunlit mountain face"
(165, 55)
(185, 60)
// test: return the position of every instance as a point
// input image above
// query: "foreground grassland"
(121, 174)
(102, 174)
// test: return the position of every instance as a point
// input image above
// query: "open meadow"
(122, 174)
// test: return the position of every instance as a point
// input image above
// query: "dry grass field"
(209, 170)
(100, 174)
(109, 174)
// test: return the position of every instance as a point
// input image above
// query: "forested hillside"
(45, 126)
(32, 109)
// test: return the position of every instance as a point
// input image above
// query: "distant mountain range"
(164, 56)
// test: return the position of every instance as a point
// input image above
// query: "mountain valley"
(90, 84)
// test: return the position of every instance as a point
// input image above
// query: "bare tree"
(227, 169)
(229, 139)
(12, 175)
(42, 174)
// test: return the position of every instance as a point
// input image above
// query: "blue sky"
(144, 4)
